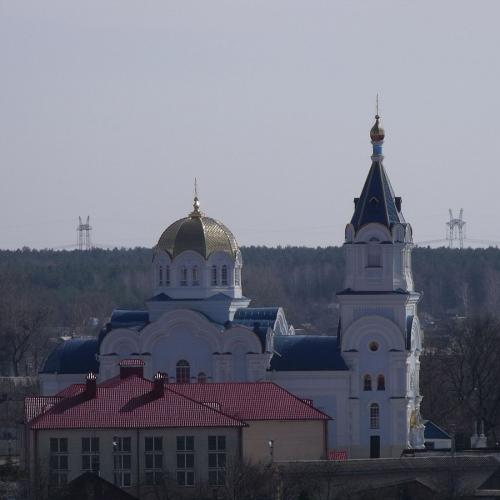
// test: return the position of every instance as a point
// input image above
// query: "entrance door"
(374, 446)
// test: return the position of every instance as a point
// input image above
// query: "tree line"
(45, 292)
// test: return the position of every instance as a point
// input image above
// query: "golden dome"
(198, 233)
(377, 133)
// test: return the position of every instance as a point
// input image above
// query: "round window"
(373, 346)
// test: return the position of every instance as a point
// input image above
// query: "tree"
(245, 480)
(470, 371)
(23, 318)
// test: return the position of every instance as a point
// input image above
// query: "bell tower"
(380, 335)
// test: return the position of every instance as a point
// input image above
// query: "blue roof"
(125, 319)
(259, 317)
(163, 297)
(350, 291)
(432, 431)
(377, 202)
(306, 353)
(73, 356)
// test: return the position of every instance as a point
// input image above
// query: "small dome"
(198, 233)
(73, 356)
(377, 133)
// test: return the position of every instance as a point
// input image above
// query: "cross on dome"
(196, 202)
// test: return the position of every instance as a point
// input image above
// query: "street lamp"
(271, 449)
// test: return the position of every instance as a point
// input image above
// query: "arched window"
(182, 372)
(167, 276)
(381, 383)
(202, 378)
(367, 383)
(196, 278)
(374, 255)
(213, 279)
(374, 416)
(237, 276)
(184, 276)
(224, 275)
(160, 276)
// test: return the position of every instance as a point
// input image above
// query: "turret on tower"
(377, 221)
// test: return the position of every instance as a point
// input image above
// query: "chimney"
(356, 202)
(91, 385)
(130, 367)
(159, 384)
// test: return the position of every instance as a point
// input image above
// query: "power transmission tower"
(83, 241)
(455, 233)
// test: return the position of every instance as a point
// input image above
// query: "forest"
(74, 286)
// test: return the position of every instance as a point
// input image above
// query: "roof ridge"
(384, 179)
(366, 185)
(301, 400)
(275, 386)
(244, 424)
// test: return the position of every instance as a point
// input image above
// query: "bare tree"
(471, 371)
(23, 318)
(245, 480)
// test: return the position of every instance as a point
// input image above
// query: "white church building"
(198, 327)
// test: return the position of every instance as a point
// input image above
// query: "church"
(199, 328)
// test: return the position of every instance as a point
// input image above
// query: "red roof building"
(183, 426)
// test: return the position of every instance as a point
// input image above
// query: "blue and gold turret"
(377, 202)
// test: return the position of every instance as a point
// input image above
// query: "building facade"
(198, 327)
(144, 436)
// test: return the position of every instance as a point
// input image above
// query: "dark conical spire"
(377, 202)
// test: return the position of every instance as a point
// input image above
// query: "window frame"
(58, 461)
(185, 461)
(374, 255)
(224, 273)
(217, 459)
(91, 454)
(153, 450)
(183, 281)
(122, 461)
(374, 410)
(195, 275)
(182, 372)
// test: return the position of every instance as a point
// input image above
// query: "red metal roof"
(131, 403)
(251, 400)
(128, 404)
(34, 406)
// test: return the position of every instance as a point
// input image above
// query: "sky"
(110, 108)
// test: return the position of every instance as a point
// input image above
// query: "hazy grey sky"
(111, 108)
